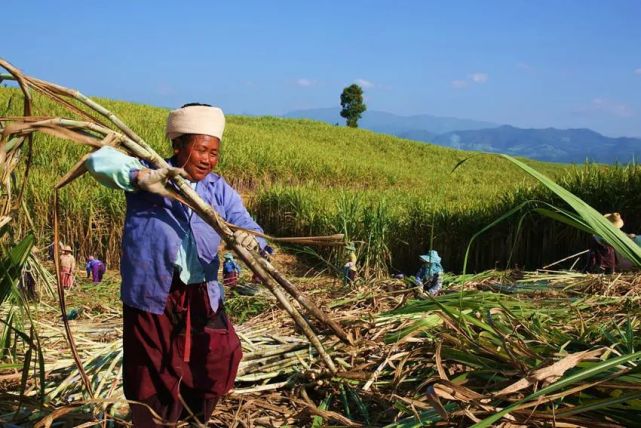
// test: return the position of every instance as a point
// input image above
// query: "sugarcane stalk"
(27, 112)
(275, 350)
(141, 149)
(305, 302)
(61, 302)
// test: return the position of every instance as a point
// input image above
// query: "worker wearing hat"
(602, 257)
(67, 267)
(350, 269)
(178, 346)
(231, 270)
(430, 274)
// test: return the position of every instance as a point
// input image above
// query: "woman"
(67, 267)
(602, 257)
(231, 270)
(430, 274)
(179, 348)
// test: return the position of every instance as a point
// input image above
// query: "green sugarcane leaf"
(346, 409)
(360, 405)
(599, 404)
(562, 383)
(502, 218)
(564, 217)
(599, 225)
(318, 421)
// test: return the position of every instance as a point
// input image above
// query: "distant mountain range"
(550, 144)
(394, 124)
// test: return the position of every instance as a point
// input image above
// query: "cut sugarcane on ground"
(544, 348)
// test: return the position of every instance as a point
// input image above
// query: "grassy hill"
(301, 177)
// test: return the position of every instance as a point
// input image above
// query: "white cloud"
(479, 77)
(364, 83)
(304, 82)
(459, 84)
(474, 78)
(637, 71)
(611, 107)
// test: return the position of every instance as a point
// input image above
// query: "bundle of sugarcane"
(93, 130)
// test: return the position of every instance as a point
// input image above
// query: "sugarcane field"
(188, 237)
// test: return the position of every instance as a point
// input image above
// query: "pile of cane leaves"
(553, 349)
(533, 358)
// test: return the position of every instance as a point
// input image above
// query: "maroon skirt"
(230, 279)
(189, 350)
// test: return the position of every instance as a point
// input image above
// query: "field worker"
(602, 257)
(178, 345)
(430, 274)
(231, 270)
(67, 267)
(95, 268)
(349, 268)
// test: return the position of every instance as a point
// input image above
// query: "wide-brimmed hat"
(228, 255)
(431, 257)
(66, 248)
(615, 219)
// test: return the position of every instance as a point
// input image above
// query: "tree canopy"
(352, 104)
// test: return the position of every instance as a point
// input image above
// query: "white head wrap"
(202, 120)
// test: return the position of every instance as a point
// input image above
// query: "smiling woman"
(196, 154)
(177, 341)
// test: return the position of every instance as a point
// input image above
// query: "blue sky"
(526, 63)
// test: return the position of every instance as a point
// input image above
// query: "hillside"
(398, 197)
(550, 144)
(262, 151)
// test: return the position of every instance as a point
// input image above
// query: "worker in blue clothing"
(231, 270)
(179, 348)
(430, 274)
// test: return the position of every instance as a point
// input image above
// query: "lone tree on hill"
(352, 103)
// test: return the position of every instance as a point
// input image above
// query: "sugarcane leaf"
(19, 252)
(348, 413)
(564, 217)
(502, 218)
(562, 383)
(318, 421)
(599, 404)
(425, 418)
(5, 338)
(462, 161)
(598, 224)
(25, 375)
(360, 405)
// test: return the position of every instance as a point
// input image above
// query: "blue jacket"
(230, 266)
(154, 230)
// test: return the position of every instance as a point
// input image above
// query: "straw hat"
(615, 219)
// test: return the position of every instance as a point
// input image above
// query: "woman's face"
(198, 155)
